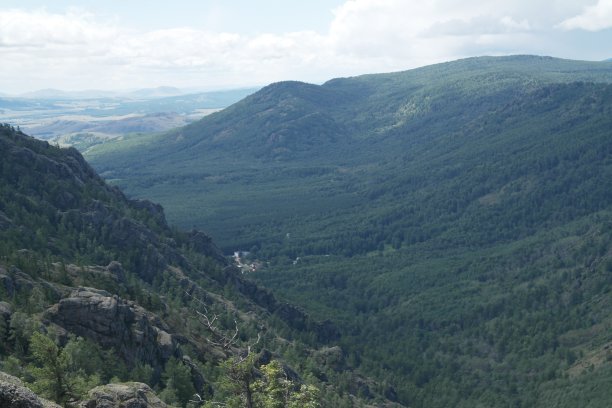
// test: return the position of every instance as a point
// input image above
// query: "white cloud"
(410, 33)
(77, 50)
(41, 29)
(593, 18)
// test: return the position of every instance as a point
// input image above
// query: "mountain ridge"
(258, 139)
(483, 71)
(454, 220)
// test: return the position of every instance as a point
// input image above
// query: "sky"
(214, 44)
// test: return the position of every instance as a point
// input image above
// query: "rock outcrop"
(6, 310)
(14, 394)
(124, 395)
(112, 322)
(203, 244)
(14, 280)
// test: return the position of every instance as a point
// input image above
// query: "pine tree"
(55, 374)
(50, 370)
(179, 385)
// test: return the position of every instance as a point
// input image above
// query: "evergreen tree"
(179, 386)
(50, 369)
(55, 374)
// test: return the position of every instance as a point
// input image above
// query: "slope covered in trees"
(97, 288)
(454, 221)
(293, 157)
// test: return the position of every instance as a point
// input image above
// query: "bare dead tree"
(225, 339)
(240, 371)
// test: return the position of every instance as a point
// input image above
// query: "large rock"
(155, 210)
(136, 334)
(6, 310)
(203, 244)
(13, 394)
(331, 357)
(125, 395)
(14, 280)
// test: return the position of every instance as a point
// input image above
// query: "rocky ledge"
(14, 394)
(124, 395)
(112, 322)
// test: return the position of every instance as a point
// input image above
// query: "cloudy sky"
(213, 44)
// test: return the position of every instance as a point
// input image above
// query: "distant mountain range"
(88, 118)
(146, 93)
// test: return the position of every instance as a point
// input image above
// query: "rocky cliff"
(133, 332)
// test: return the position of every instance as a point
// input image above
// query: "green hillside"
(295, 153)
(96, 288)
(454, 221)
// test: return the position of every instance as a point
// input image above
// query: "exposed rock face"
(14, 394)
(17, 397)
(15, 280)
(113, 272)
(156, 251)
(156, 210)
(127, 234)
(6, 310)
(136, 334)
(332, 357)
(125, 395)
(202, 243)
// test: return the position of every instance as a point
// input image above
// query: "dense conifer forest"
(429, 238)
(454, 220)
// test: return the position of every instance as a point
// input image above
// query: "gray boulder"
(6, 310)
(14, 394)
(124, 395)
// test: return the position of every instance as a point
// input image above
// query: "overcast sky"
(213, 44)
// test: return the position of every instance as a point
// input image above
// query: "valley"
(452, 220)
(434, 237)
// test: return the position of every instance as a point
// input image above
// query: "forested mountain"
(298, 153)
(97, 288)
(454, 221)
